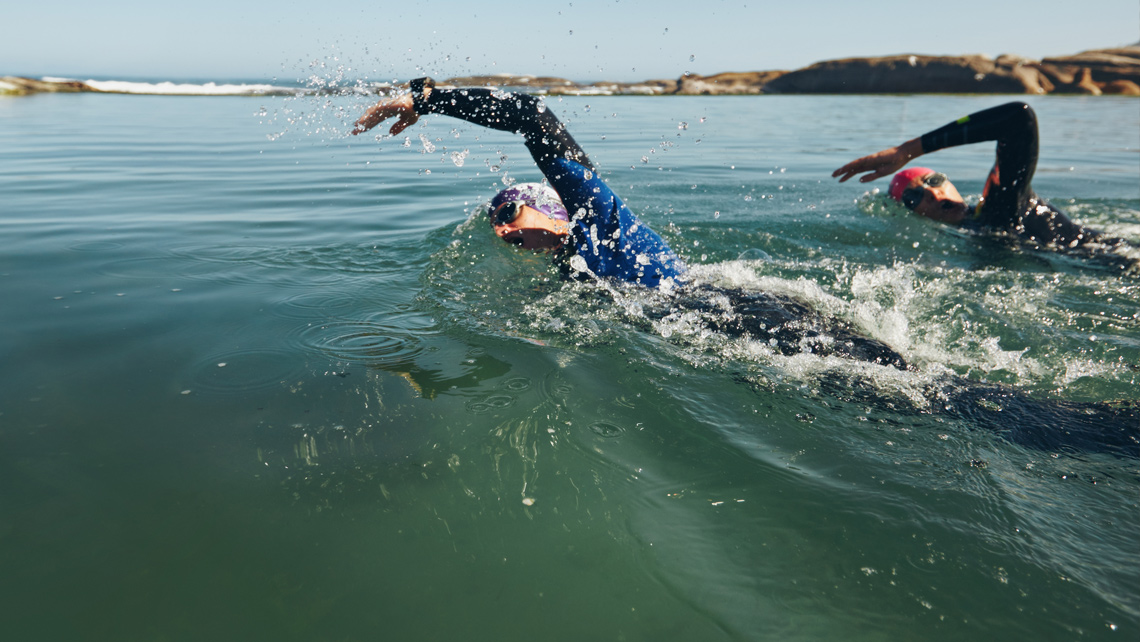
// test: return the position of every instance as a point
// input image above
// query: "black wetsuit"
(1008, 200)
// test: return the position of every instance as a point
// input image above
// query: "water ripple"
(363, 342)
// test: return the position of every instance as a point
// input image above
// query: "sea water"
(263, 380)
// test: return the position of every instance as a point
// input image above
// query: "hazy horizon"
(587, 41)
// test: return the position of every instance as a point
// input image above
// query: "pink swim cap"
(903, 178)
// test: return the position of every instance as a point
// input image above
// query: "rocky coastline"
(1095, 72)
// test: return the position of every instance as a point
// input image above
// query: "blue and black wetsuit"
(608, 241)
(1008, 200)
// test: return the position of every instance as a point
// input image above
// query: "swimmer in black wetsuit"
(1008, 201)
(592, 234)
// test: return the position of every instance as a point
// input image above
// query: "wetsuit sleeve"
(545, 136)
(1014, 126)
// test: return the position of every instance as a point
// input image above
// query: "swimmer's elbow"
(1024, 111)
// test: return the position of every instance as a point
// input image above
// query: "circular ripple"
(490, 404)
(606, 429)
(556, 388)
(244, 371)
(361, 342)
(518, 384)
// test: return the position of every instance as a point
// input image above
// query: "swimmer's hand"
(882, 163)
(399, 106)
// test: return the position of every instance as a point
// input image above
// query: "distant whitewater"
(168, 88)
(183, 89)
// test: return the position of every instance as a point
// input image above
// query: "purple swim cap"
(541, 197)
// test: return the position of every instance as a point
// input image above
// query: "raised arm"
(545, 136)
(882, 163)
(1012, 125)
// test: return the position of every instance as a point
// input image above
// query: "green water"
(261, 381)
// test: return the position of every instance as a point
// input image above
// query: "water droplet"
(692, 58)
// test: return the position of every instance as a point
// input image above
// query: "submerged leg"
(784, 323)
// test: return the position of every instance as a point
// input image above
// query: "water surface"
(264, 381)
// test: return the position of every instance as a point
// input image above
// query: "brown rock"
(1105, 65)
(913, 74)
(1120, 88)
(729, 82)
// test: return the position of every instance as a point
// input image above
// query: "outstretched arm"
(1012, 125)
(545, 136)
(882, 163)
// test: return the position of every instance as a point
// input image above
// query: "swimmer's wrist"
(912, 149)
(421, 90)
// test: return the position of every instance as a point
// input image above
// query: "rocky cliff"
(912, 74)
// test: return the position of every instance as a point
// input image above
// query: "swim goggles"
(507, 213)
(912, 196)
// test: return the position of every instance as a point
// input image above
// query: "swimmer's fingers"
(845, 172)
(406, 121)
(370, 119)
(400, 106)
(874, 166)
(882, 163)
(859, 166)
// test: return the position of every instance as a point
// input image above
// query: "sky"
(583, 40)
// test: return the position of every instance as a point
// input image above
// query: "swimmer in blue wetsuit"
(1008, 202)
(585, 219)
(591, 233)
